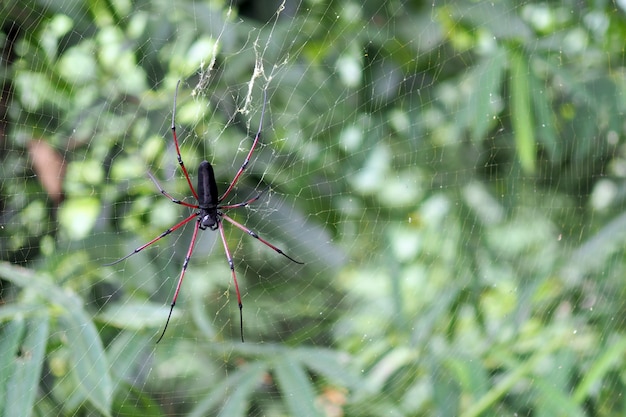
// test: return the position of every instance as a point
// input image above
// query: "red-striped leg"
(180, 158)
(247, 160)
(254, 235)
(156, 239)
(231, 264)
(182, 276)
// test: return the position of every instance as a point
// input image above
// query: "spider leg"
(180, 158)
(244, 204)
(159, 237)
(231, 264)
(254, 235)
(252, 148)
(182, 275)
(165, 193)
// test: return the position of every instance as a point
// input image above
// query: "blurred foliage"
(452, 174)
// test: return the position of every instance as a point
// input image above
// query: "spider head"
(208, 219)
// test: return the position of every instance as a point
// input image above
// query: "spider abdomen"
(207, 196)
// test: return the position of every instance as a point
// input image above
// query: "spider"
(208, 213)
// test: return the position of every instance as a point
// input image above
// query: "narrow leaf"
(238, 400)
(253, 372)
(331, 364)
(11, 335)
(469, 375)
(24, 381)
(90, 363)
(611, 359)
(132, 315)
(547, 132)
(482, 109)
(554, 402)
(521, 112)
(513, 376)
(129, 352)
(11, 311)
(296, 388)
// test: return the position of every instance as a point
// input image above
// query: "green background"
(451, 174)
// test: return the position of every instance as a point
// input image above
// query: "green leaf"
(10, 336)
(128, 353)
(238, 399)
(470, 375)
(81, 336)
(296, 387)
(518, 371)
(137, 402)
(249, 375)
(481, 110)
(28, 361)
(331, 364)
(78, 216)
(547, 133)
(135, 315)
(612, 358)
(389, 363)
(11, 311)
(91, 366)
(553, 402)
(521, 111)
(446, 390)
(594, 253)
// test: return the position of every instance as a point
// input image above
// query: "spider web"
(449, 173)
